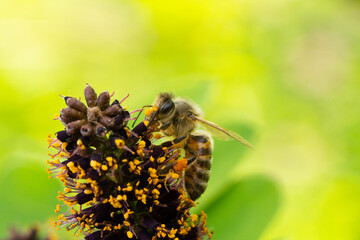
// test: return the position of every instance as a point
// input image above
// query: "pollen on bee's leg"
(181, 164)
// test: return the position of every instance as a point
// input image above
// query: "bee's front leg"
(165, 125)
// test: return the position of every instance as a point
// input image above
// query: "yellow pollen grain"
(64, 145)
(104, 168)
(88, 191)
(161, 159)
(175, 175)
(119, 143)
(129, 234)
(80, 144)
(109, 160)
(72, 167)
(57, 208)
(147, 112)
(94, 164)
(142, 144)
(155, 191)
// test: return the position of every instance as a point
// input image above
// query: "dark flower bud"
(70, 114)
(73, 158)
(75, 104)
(117, 236)
(83, 197)
(70, 146)
(93, 174)
(84, 162)
(116, 142)
(102, 212)
(71, 174)
(119, 120)
(100, 131)
(103, 100)
(86, 129)
(112, 110)
(83, 142)
(157, 152)
(125, 114)
(115, 102)
(107, 121)
(63, 136)
(142, 234)
(90, 96)
(94, 236)
(194, 233)
(96, 157)
(106, 186)
(149, 222)
(123, 133)
(140, 129)
(74, 126)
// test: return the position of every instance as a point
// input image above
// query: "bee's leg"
(166, 125)
(194, 154)
(166, 167)
(174, 141)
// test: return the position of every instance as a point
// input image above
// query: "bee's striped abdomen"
(197, 174)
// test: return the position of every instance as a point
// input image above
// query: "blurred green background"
(283, 74)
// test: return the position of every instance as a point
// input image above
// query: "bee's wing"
(224, 133)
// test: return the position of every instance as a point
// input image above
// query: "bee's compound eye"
(167, 107)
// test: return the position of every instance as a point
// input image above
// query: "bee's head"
(165, 106)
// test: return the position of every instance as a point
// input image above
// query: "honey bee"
(179, 117)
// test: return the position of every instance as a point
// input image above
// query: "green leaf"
(29, 196)
(244, 210)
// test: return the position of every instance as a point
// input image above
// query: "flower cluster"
(119, 184)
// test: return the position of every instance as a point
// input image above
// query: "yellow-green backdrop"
(284, 74)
